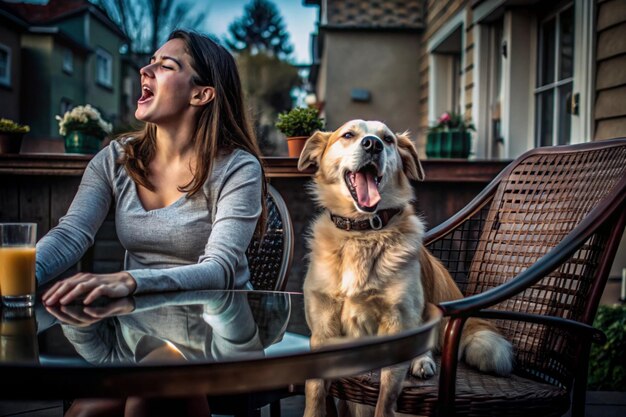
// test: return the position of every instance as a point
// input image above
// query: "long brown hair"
(222, 124)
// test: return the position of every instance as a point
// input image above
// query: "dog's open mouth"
(363, 186)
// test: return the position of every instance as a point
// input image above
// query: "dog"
(369, 273)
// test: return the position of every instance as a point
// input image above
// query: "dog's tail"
(482, 345)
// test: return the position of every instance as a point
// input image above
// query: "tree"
(260, 30)
(148, 22)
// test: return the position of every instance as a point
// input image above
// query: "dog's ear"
(313, 150)
(410, 161)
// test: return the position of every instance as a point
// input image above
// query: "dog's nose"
(371, 144)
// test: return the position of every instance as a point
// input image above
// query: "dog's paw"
(423, 367)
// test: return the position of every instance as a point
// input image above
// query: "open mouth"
(363, 186)
(146, 94)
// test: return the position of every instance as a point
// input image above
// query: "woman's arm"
(66, 243)
(237, 211)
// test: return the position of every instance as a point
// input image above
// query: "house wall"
(64, 85)
(383, 62)
(10, 96)
(74, 25)
(107, 99)
(610, 110)
(36, 98)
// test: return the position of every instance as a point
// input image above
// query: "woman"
(188, 189)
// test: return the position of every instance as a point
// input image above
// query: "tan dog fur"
(377, 281)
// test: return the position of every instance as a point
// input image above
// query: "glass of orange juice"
(17, 263)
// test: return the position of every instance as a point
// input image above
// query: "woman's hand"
(90, 286)
(81, 316)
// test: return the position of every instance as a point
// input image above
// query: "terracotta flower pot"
(295, 145)
(10, 142)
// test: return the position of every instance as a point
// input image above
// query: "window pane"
(545, 118)
(547, 46)
(4, 61)
(566, 46)
(565, 119)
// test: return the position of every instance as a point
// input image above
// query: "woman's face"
(166, 86)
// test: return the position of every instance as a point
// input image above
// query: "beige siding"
(611, 13)
(612, 42)
(609, 110)
(611, 73)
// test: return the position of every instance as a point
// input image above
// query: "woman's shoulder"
(237, 159)
(110, 156)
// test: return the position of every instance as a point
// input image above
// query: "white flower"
(82, 115)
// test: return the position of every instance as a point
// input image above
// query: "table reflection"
(162, 328)
(18, 336)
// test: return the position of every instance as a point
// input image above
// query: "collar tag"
(376, 222)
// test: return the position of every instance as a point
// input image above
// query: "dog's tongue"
(366, 189)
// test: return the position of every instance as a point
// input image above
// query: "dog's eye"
(388, 138)
(348, 135)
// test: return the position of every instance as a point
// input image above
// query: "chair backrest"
(543, 197)
(269, 258)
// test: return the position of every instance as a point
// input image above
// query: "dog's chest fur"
(373, 275)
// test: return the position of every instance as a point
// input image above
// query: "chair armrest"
(582, 329)
(454, 329)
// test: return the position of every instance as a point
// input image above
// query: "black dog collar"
(380, 220)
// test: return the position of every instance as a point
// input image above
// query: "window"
(104, 68)
(5, 65)
(65, 105)
(555, 78)
(446, 69)
(68, 60)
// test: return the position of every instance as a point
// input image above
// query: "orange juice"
(17, 270)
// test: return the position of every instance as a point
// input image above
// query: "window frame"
(516, 126)
(67, 64)
(556, 84)
(102, 53)
(6, 79)
(446, 89)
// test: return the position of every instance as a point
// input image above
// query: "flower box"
(448, 144)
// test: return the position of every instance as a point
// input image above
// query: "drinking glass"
(17, 263)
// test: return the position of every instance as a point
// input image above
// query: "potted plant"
(450, 137)
(83, 129)
(11, 135)
(297, 125)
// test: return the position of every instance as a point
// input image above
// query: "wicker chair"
(269, 258)
(533, 252)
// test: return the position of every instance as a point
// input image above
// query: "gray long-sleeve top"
(197, 242)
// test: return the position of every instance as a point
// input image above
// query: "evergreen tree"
(260, 30)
